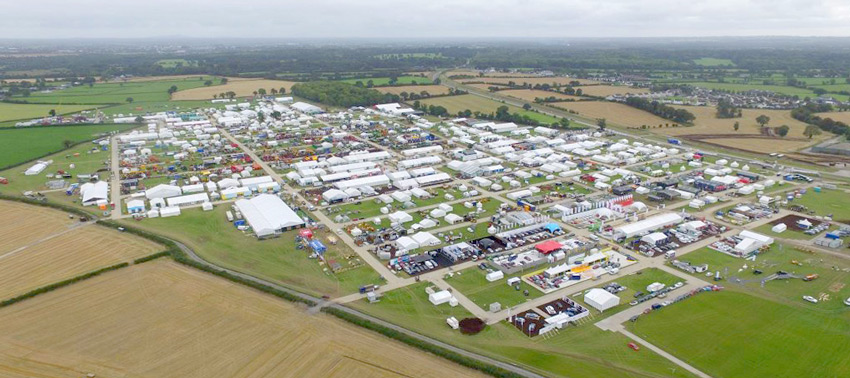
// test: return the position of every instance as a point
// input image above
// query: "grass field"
(117, 93)
(614, 113)
(23, 144)
(242, 88)
(32, 256)
(633, 283)
(608, 90)
(530, 80)
(277, 260)
(10, 112)
(88, 161)
(530, 94)
(710, 330)
(585, 351)
(160, 319)
(474, 103)
(706, 122)
(714, 62)
(827, 202)
(402, 80)
(474, 285)
(433, 90)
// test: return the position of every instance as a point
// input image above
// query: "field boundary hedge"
(53, 205)
(423, 345)
(61, 284)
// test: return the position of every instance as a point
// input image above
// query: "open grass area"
(790, 233)
(827, 202)
(475, 103)
(218, 241)
(162, 319)
(117, 93)
(380, 81)
(88, 160)
(833, 272)
(710, 331)
(23, 144)
(474, 285)
(14, 112)
(713, 62)
(576, 351)
(531, 94)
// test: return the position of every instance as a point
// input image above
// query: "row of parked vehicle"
(641, 297)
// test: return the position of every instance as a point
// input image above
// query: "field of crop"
(608, 90)
(713, 62)
(707, 123)
(837, 116)
(23, 144)
(585, 351)
(530, 80)
(33, 255)
(708, 331)
(433, 90)
(117, 93)
(9, 111)
(474, 103)
(614, 113)
(161, 319)
(242, 88)
(530, 94)
(402, 80)
(276, 260)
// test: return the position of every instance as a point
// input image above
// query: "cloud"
(433, 18)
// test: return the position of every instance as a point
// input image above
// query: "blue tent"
(317, 246)
(552, 227)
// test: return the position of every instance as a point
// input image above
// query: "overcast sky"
(428, 18)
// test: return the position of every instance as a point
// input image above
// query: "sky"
(50, 19)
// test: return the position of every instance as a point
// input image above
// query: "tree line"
(661, 110)
(341, 94)
(806, 113)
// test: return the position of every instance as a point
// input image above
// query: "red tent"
(306, 233)
(548, 247)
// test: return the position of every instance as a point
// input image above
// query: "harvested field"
(530, 80)
(614, 113)
(433, 90)
(608, 90)
(837, 116)
(530, 94)
(760, 145)
(22, 224)
(707, 123)
(62, 255)
(242, 88)
(484, 87)
(161, 319)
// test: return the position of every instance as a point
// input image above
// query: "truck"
(810, 277)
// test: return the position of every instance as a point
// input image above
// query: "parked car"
(810, 298)
(634, 347)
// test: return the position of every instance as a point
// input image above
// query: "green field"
(730, 334)
(583, 351)
(474, 285)
(116, 93)
(216, 240)
(381, 81)
(475, 103)
(157, 106)
(23, 144)
(14, 112)
(713, 62)
(827, 202)
(832, 282)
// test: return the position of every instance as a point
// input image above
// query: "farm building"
(601, 299)
(647, 225)
(268, 215)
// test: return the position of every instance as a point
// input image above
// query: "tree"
(782, 130)
(762, 120)
(129, 100)
(274, 91)
(565, 122)
(811, 130)
(231, 94)
(255, 93)
(437, 81)
(261, 116)
(139, 119)
(223, 81)
(207, 83)
(67, 143)
(215, 96)
(526, 106)
(370, 84)
(52, 112)
(276, 114)
(602, 123)
(737, 125)
(282, 90)
(578, 92)
(262, 91)
(172, 89)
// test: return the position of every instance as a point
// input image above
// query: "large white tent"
(163, 191)
(267, 214)
(91, 193)
(601, 299)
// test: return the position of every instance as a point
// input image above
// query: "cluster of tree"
(725, 109)
(806, 113)
(661, 110)
(686, 89)
(341, 94)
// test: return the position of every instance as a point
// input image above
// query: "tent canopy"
(548, 247)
